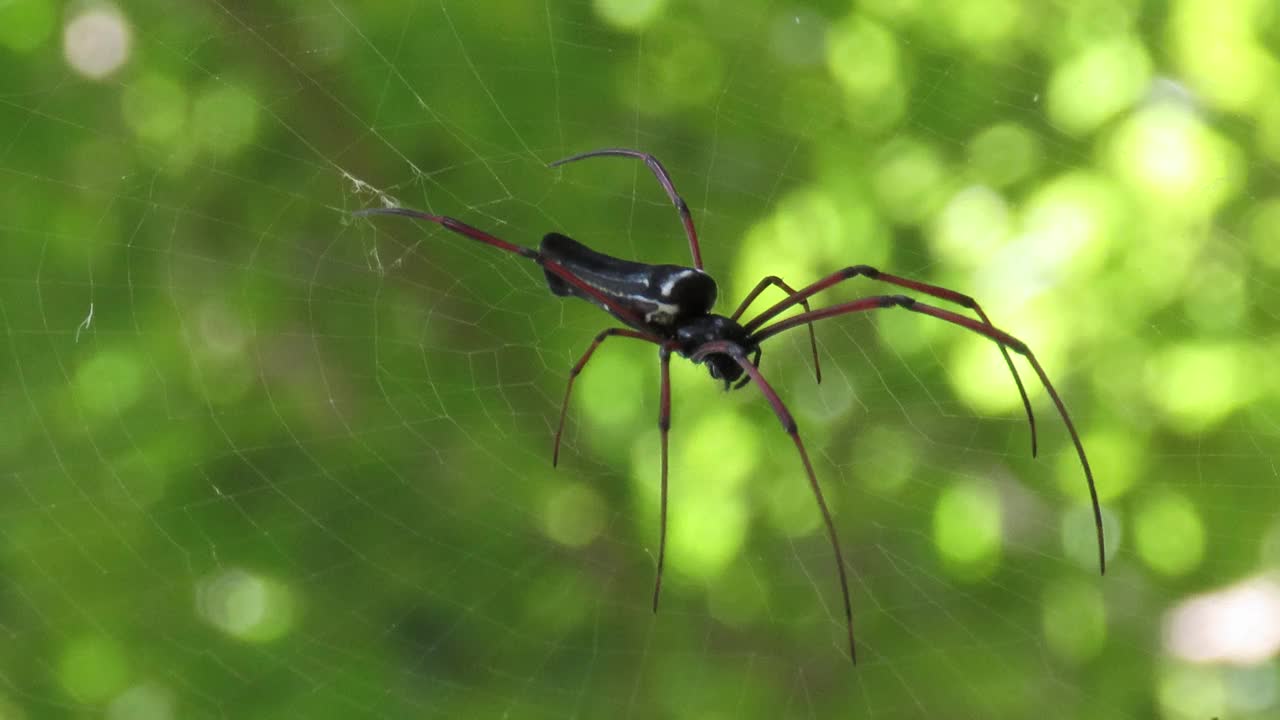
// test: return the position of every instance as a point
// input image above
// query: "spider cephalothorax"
(697, 332)
(670, 307)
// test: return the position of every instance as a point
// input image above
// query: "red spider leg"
(775, 280)
(663, 177)
(462, 228)
(664, 426)
(1001, 337)
(789, 425)
(455, 225)
(755, 360)
(941, 293)
(582, 363)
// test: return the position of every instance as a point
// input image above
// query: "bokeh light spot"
(609, 390)
(722, 450)
(967, 529)
(1074, 617)
(883, 459)
(1069, 225)
(93, 669)
(971, 226)
(810, 230)
(155, 107)
(979, 375)
(863, 58)
(225, 119)
(909, 179)
(573, 514)
(143, 702)
(109, 383)
(1166, 152)
(96, 42)
(1080, 531)
(984, 25)
(222, 330)
(629, 14)
(1099, 83)
(1169, 533)
(1239, 624)
(26, 24)
(709, 516)
(245, 605)
(1122, 453)
(1191, 693)
(1216, 46)
(1003, 154)
(704, 538)
(1196, 384)
(759, 257)
(679, 68)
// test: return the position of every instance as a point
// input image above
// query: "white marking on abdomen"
(670, 284)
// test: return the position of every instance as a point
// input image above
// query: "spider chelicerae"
(670, 307)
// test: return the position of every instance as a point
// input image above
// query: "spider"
(670, 306)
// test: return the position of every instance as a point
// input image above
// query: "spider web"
(262, 458)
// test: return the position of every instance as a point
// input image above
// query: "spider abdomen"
(661, 296)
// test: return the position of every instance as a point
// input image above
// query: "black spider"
(670, 306)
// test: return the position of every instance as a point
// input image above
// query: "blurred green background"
(260, 459)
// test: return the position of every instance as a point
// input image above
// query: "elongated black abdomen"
(595, 268)
(660, 294)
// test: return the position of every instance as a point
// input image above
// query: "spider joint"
(1016, 345)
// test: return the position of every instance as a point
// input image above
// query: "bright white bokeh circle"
(96, 42)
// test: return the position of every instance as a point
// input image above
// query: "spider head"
(696, 333)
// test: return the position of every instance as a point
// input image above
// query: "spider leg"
(466, 230)
(789, 425)
(755, 360)
(664, 426)
(663, 177)
(1004, 339)
(577, 368)
(777, 281)
(941, 293)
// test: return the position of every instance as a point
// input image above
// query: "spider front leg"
(776, 281)
(664, 178)
(941, 293)
(577, 369)
(755, 360)
(789, 425)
